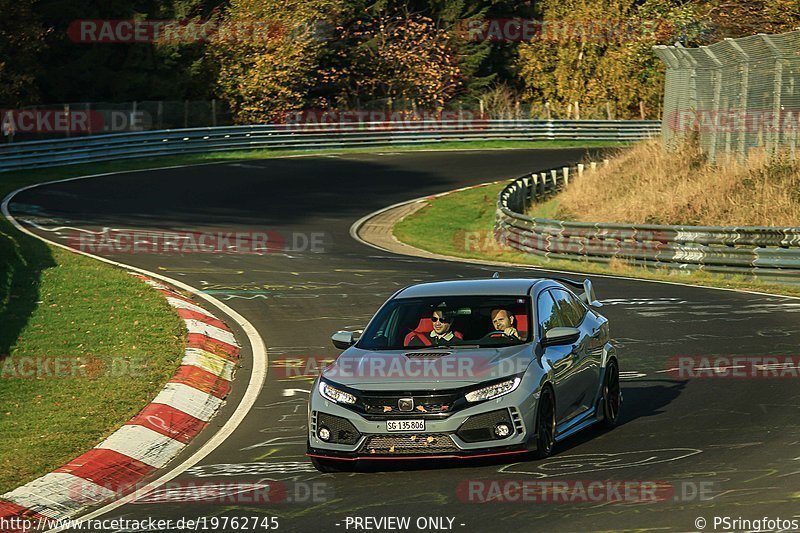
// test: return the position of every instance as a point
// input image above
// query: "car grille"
(420, 443)
(427, 404)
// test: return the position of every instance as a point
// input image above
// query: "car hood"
(429, 369)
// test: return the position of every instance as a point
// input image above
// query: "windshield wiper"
(455, 346)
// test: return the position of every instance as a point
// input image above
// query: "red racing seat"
(422, 331)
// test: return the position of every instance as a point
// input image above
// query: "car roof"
(478, 287)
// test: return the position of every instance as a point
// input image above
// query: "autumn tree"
(21, 40)
(404, 61)
(739, 18)
(268, 74)
(601, 51)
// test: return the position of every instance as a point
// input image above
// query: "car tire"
(612, 396)
(545, 424)
(329, 466)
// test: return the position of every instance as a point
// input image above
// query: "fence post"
(715, 107)
(214, 112)
(608, 110)
(547, 110)
(775, 136)
(744, 87)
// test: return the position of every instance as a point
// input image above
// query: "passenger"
(504, 321)
(441, 333)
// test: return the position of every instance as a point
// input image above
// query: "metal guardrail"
(109, 147)
(769, 253)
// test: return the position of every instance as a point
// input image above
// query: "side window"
(569, 308)
(547, 313)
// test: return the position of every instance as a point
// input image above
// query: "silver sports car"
(465, 369)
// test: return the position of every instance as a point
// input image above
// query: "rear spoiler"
(588, 296)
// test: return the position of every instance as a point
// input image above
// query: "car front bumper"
(467, 433)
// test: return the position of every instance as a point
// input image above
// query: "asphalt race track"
(723, 446)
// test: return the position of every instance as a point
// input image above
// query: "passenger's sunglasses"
(437, 319)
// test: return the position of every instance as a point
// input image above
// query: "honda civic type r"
(467, 368)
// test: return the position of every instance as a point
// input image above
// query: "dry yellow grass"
(647, 185)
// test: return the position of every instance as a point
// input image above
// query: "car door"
(586, 359)
(560, 358)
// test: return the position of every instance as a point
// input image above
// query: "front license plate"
(405, 425)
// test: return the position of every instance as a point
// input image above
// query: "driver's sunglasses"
(437, 319)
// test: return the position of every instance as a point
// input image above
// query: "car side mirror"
(345, 339)
(560, 336)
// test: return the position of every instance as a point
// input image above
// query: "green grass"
(465, 220)
(98, 342)
(128, 340)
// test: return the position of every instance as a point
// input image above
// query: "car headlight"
(494, 391)
(335, 395)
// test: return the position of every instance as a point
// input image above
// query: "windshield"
(455, 321)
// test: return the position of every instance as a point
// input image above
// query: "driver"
(504, 321)
(441, 333)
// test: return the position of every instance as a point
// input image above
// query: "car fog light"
(502, 430)
(324, 433)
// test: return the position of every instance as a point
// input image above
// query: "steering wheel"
(496, 334)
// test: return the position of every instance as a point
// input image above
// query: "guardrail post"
(593, 166)
(580, 169)
(544, 182)
(565, 170)
(606, 162)
(523, 184)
